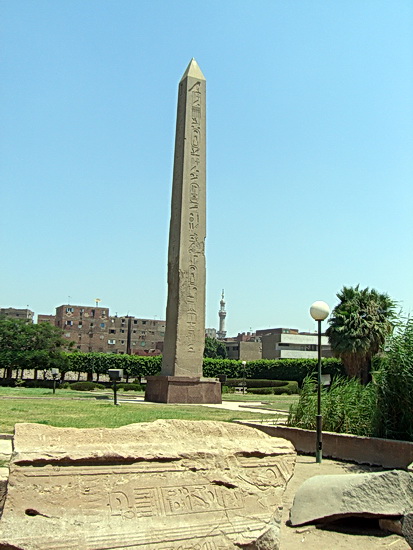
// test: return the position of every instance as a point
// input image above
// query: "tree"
(214, 349)
(359, 326)
(24, 345)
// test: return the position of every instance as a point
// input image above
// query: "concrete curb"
(388, 453)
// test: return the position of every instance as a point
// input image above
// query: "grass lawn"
(64, 411)
(280, 402)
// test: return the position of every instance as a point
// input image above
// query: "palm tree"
(359, 326)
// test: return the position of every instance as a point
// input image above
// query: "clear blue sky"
(310, 142)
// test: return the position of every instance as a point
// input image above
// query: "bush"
(261, 391)
(291, 388)
(130, 387)
(347, 407)
(86, 386)
(288, 388)
(394, 383)
(40, 384)
(8, 382)
(271, 369)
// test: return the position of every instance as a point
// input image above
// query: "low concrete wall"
(364, 450)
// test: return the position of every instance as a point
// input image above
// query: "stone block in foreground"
(164, 485)
(377, 494)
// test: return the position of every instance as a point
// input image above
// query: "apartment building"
(92, 329)
(244, 347)
(289, 343)
(87, 327)
(13, 313)
(135, 336)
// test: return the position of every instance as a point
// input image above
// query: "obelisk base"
(183, 389)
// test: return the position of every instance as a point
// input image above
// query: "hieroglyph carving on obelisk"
(185, 314)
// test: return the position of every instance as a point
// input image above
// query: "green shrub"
(261, 391)
(130, 387)
(288, 388)
(8, 382)
(254, 383)
(40, 384)
(394, 383)
(271, 369)
(347, 407)
(86, 386)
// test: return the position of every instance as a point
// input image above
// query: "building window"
(134, 331)
(122, 330)
(69, 310)
(143, 344)
(143, 322)
(102, 325)
(111, 342)
(112, 331)
(67, 334)
(135, 322)
(69, 323)
(122, 341)
(92, 325)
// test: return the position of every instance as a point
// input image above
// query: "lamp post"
(55, 374)
(319, 311)
(244, 382)
(115, 375)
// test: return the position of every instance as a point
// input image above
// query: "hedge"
(272, 369)
(289, 388)
(136, 366)
(256, 383)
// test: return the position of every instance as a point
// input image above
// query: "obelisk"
(181, 379)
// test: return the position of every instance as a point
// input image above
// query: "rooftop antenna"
(97, 300)
(68, 300)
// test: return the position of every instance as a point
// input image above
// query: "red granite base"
(182, 389)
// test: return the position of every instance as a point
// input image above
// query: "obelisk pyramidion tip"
(193, 70)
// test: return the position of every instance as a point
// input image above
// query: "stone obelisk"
(181, 379)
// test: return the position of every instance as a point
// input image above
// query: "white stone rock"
(374, 494)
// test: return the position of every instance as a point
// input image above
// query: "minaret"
(222, 314)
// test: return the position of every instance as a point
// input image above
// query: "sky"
(309, 152)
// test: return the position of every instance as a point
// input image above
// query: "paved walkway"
(229, 405)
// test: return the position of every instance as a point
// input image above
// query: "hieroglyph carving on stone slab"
(177, 485)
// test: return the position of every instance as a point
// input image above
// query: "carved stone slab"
(164, 485)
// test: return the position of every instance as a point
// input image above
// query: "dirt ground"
(352, 534)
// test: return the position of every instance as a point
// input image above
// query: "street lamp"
(55, 374)
(115, 375)
(319, 311)
(244, 382)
